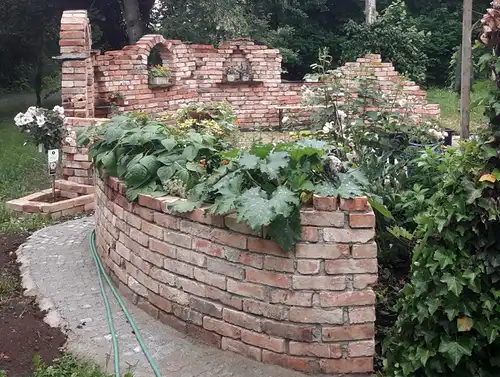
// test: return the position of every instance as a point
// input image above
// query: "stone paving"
(57, 267)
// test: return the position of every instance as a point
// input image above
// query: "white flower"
(328, 127)
(27, 118)
(285, 119)
(19, 119)
(402, 102)
(40, 120)
(59, 110)
(342, 115)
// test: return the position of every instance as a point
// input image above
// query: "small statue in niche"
(246, 74)
(232, 74)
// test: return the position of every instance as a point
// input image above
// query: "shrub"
(394, 36)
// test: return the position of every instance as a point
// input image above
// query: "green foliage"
(68, 366)
(395, 36)
(264, 185)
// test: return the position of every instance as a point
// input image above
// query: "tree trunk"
(466, 70)
(370, 11)
(132, 16)
(39, 70)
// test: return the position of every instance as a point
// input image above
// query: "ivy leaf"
(253, 207)
(443, 258)
(286, 230)
(274, 163)
(488, 177)
(423, 355)
(453, 284)
(464, 324)
(454, 351)
(249, 161)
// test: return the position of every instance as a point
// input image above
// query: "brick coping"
(312, 309)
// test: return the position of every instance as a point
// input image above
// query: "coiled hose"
(102, 273)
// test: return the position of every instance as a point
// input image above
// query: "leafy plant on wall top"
(265, 186)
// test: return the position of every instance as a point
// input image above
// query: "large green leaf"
(284, 201)
(249, 161)
(453, 283)
(165, 173)
(169, 144)
(228, 191)
(455, 350)
(274, 163)
(286, 230)
(253, 207)
(136, 175)
(190, 152)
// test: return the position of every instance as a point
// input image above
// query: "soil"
(23, 333)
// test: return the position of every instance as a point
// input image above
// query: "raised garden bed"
(70, 198)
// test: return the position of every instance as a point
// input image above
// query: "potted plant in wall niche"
(159, 75)
(246, 74)
(232, 74)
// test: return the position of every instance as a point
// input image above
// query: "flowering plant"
(159, 71)
(45, 127)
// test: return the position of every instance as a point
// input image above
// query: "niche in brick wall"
(237, 68)
(160, 67)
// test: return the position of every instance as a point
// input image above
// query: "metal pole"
(466, 75)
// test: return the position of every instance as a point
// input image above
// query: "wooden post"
(370, 11)
(466, 74)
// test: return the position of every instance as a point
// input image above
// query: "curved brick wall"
(312, 309)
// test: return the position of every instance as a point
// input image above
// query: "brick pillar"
(77, 77)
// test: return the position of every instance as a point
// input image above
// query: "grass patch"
(22, 171)
(69, 366)
(8, 288)
(450, 108)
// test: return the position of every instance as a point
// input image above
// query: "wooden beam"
(466, 74)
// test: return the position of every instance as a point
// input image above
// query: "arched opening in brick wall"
(238, 65)
(160, 59)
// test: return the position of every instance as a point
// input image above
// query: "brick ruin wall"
(198, 75)
(311, 309)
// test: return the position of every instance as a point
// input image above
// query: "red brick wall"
(312, 309)
(198, 75)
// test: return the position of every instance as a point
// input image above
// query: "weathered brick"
(162, 248)
(241, 348)
(309, 234)
(174, 295)
(357, 365)
(162, 276)
(278, 264)
(364, 281)
(362, 220)
(191, 257)
(362, 315)
(308, 267)
(266, 310)
(208, 247)
(204, 335)
(263, 341)
(144, 305)
(187, 314)
(137, 287)
(225, 268)
(326, 219)
(246, 289)
(343, 333)
(303, 364)
(365, 251)
(231, 223)
(122, 250)
(221, 327)
(351, 266)
(152, 230)
(200, 215)
(178, 267)
(242, 257)
(328, 351)
(293, 331)
(361, 348)
(139, 236)
(205, 307)
(324, 203)
(273, 279)
(339, 299)
(321, 251)
(173, 322)
(306, 315)
(356, 204)
(178, 239)
(331, 283)
(259, 245)
(209, 278)
(348, 235)
(191, 286)
(291, 298)
(145, 213)
(241, 319)
(166, 221)
(160, 302)
(224, 297)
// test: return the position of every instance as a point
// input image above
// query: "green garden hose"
(101, 273)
